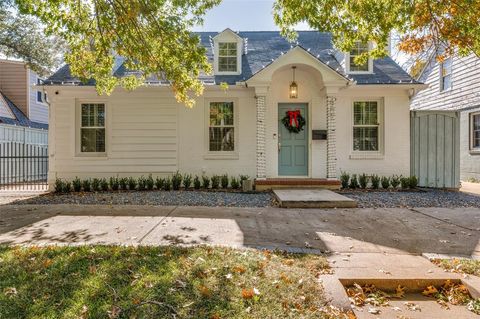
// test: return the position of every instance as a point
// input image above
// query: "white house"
(453, 86)
(356, 117)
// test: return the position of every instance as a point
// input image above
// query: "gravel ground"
(427, 198)
(171, 198)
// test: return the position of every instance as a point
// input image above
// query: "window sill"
(221, 156)
(373, 156)
(474, 152)
(91, 155)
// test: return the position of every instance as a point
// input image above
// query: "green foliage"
(224, 181)
(385, 182)
(215, 181)
(177, 181)
(167, 185)
(96, 185)
(235, 183)
(244, 178)
(413, 182)
(114, 183)
(205, 182)
(159, 183)
(103, 184)
(405, 182)
(344, 179)
(123, 182)
(363, 180)
(154, 37)
(375, 181)
(59, 185)
(141, 183)
(150, 183)
(353, 182)
(77, 184)
(132, 183)
(87, 185)
(395, 181)
(187, 181)
(196, 182)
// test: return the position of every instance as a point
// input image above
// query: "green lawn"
(464, 266)
(158, 282)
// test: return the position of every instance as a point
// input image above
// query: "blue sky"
(242, 15)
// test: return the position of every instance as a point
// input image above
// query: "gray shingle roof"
(266, 46)
(20, 118)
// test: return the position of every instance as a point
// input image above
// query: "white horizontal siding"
(38, 111)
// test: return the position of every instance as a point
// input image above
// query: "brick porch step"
(278, 183)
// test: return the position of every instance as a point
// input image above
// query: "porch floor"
(279, 183)
(312, 198)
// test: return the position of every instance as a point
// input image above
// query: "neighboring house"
(453, 86)
(356, 117)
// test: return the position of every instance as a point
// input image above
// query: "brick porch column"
(261, 157)
(331, 138)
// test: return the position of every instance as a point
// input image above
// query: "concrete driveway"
(412, 231)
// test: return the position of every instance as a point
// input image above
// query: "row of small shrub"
(363, 181)
(175, 182)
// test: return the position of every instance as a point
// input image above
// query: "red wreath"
(293, 121)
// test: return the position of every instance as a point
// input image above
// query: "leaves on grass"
(239, 269)
(247, 293)
(10, 291)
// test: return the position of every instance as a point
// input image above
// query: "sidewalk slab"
(312, 198)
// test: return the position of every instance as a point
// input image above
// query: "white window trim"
(475, 150)
(441, 77)
(381, 130)
(370, 63)
(78, 126)
(216, 55)
(221, 155)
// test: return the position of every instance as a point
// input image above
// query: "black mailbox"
(319, 135)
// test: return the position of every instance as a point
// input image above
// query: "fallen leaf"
(248, 293)
(205, 291)
(412, 307)
(11, 291)
(430, 291)
(399, 292)
(239, 269)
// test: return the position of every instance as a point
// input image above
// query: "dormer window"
(227, 57)
(359, 49)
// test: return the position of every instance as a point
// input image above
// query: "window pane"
(227, 64)
(476, 122)
(92, 140)
(447, 82)
(93, 115)
(365, 113)
(227, 49)
(365, 138)
(221, 139)
(221, 113)
(355, 67)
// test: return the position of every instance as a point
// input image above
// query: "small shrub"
(142, 183)
(159, 183)
(114, 183)
(67, 187)
(123, 183)
(77, 184)
(176, 181)
(344, 179)
(59, 185)
(224, 181)
(243, 178)
(96, 185)
(132, 183)
(405, 182)
(413, 182)
(375, 181)
(104, 184)
(215, 181)
(150, 183)
(196, 182)
(235, 183)
(395, 181)
(187, 181)
(385, 182)
(87, 185)
(363, 180)
(167, 185)
(353, 182)
(205, 182)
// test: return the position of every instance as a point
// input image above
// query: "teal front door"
(292, 147)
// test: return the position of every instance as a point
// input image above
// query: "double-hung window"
(227, 57)
(221, 130)
(358, 49)
(366, 127)
(92, 128)
(475, 132)
(446, 75)
(40, 97)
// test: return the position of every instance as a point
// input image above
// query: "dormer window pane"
(227, 57)
(358, 49)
